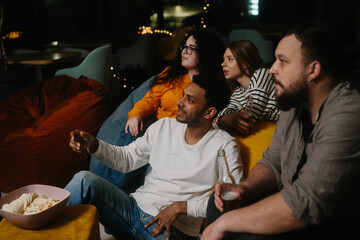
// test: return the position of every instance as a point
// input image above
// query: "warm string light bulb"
(13, 35)
(148, 30)
(125, 80)
(205, 11)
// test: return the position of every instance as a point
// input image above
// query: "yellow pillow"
(253, 146)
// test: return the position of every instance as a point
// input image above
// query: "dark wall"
(44, 21)
(340, 17)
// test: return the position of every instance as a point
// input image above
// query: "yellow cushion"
(75, 222)
(253, 146)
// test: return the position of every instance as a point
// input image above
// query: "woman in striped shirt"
(243, 70)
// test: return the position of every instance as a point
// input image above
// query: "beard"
(293, 96)
(191, 120)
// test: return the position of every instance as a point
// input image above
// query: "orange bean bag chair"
(34, 130)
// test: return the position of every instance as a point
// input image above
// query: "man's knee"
(79, 187)
(79, 180)
(83, 175)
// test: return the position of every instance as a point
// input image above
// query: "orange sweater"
(161, 100)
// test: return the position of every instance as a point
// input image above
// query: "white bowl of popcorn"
(34, 205)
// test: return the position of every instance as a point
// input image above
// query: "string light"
(205, 11)
(13, 35)
(148, 30)
(126, 83)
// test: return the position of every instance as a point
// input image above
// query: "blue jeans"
(118, 212)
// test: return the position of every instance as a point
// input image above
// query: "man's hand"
(166, 217)
(214, 231)
(133, 124)
(80, 140)
(238, 121)
(224, 187)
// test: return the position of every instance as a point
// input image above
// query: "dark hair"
(217, 93)
(210, 49)
(318, 45)
(245, 53)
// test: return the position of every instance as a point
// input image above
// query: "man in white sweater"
(182, 153)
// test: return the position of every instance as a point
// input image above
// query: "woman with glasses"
(244, 71)
(201, 54)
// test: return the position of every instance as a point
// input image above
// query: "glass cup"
(230, 200)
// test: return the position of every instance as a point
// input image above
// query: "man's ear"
(210, 112)
(314, 70)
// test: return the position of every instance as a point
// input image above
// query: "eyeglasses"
(188, 49)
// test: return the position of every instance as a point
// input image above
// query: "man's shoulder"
(167, 121)
(172, 121)
(344, 96)
(347, 89)
(164, 127)
(221, 135)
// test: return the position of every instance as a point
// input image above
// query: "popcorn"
(30, 203)
(40, 203)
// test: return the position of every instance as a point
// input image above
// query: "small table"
(88, 46)
(74, 222)
(43, 58)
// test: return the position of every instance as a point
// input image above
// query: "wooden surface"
(73, 223)
(88, 46)
(43, 58)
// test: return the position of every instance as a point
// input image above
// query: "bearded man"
(307, 184)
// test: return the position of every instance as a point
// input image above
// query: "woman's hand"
(133, 124)
(238, 121)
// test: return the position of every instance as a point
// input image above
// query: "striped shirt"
(262, 89)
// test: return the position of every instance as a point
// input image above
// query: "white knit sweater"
(179, 171)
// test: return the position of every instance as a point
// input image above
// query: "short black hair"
(217, 92)
(318, 45)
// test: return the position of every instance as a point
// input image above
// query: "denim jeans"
(118, 212)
